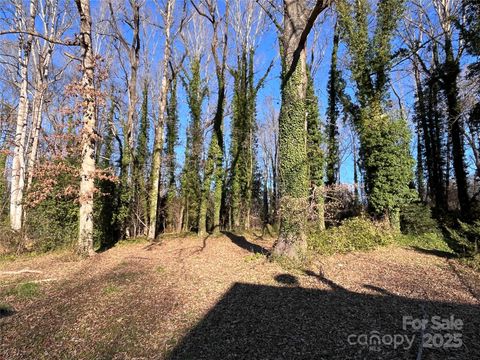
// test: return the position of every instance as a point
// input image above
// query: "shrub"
(472, 261)
(51, 211)
(52, 224)
(416, 219)
(465, 239)
(353, 234)
(427, 241)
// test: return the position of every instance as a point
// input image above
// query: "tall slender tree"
(89, 138)
(159, 126)
(171, 140)
(191, 175)
(140, 191)
(384, 136)
(315, 155)
(214, 172)
(25, 25)
(132, 48)
(335, 88)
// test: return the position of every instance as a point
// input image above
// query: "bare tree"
(159, 127)
(214, 172)
(54, 25)
(132, 49)
(25, 23)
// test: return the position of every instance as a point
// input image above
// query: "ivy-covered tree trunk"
(191, 187)
(106, 205)
(126, 214)
(436, 163)
(315, 154)
(333, 88)
(384, 135)
(214, 171)
(293, 161)
(158, 142)
(171, 142)
(450, 87)
(140, 160)
(423, 138)
(243, 123)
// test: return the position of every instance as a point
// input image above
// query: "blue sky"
(267, 51)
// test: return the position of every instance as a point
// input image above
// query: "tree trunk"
(158, 142)
(35, 132)
(333, 158)
(455, 122)
(18, 161)
(293, 169)
(133, 50)
(214, 171)
(87, 185)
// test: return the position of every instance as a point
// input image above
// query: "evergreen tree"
(191, 182)
(243, 139)
(314, 152)
(140, 166)
(214, 173)
(243, 120)
(106, 201)
(384, 140)
(171, 140)
(335, 88)
(470, 30)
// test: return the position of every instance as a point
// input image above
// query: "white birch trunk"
(18, 161)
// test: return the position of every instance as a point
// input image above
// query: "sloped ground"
(218, 298)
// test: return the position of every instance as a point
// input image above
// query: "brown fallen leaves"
(213, 298)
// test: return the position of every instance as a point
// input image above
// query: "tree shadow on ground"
(242, 242)
(439, 253)
(6, 311)
(268, 322)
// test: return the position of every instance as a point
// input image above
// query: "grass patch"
(254, 257)
(428, 241)
(111, 289)
(26, 290)
(138, 240)
(160, 269)
(10, 257)
(4, 258)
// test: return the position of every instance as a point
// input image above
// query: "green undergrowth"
(254, 257)
(137, 240)
(427, 241)
(472, 262)
(26, 290)
(362, 234)
(355, 234)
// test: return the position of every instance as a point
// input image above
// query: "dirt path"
(218, 298)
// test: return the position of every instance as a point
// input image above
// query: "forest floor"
(221, 298)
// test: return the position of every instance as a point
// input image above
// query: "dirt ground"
(221, 298)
